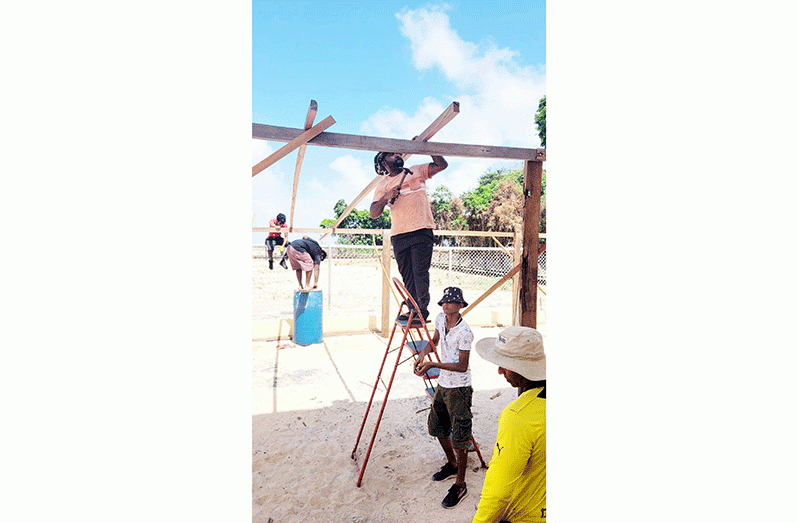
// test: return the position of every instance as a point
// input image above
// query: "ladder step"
(432, 374)
(415, 324)
(417, 346)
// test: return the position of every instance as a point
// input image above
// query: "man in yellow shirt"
(515, 484)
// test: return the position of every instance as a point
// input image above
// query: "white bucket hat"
(519, 349)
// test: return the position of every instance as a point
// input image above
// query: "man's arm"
(510, 456)
(428, 349)
(377, 206)
(460, 366)
(438, 164)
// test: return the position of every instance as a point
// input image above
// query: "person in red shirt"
(276, 238)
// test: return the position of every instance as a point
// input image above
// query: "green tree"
(540, 120)
(357, 219)
(495, 205)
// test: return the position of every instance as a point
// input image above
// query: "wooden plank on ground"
(300, 156)
(294, 143)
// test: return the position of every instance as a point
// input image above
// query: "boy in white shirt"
(450, 416)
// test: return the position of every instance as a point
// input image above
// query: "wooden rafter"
(301, 138)
(532, 189)
(371, 143)
(436, 232)
(444, 118)
(300, 156)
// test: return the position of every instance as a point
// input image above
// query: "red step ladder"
(415, 322)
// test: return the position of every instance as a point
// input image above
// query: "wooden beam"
(294, 143)
(490, 291)
(300, 156)
(533, 172)
(371, 143)
(436, 232)
(444, 118)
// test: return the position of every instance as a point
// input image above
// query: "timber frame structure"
(532, 178)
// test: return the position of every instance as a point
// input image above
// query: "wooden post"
(516, 277)
(386, 282)
(533, 174)
(300, 156)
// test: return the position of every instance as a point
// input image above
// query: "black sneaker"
(282, 264)
(271, 265)
(455, 495)
(445, 472)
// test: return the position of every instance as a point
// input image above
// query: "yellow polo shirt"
(515, 484)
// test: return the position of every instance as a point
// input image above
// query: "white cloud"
(352, 171)
(498, 100)
(498, 97)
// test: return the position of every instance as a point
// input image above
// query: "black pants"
(271, 243)
(414, 262)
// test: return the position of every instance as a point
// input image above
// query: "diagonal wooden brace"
(300, 156)
(493, 288)
(444, 118)
(293, 144)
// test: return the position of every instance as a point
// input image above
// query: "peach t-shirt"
(410, 212)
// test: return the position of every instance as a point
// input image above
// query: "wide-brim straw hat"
(519, 349)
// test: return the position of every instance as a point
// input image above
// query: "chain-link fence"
(352, 276)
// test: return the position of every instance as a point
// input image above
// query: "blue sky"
(127, 207)
(389, 69)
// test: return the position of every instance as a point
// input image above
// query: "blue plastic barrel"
(307, 316)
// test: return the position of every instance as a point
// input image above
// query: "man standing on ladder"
(411, 219)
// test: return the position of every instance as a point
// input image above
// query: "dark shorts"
(451, 415)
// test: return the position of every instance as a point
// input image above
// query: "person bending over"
(305, 256)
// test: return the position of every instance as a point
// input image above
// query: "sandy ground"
(308, 406)
(354, 287)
